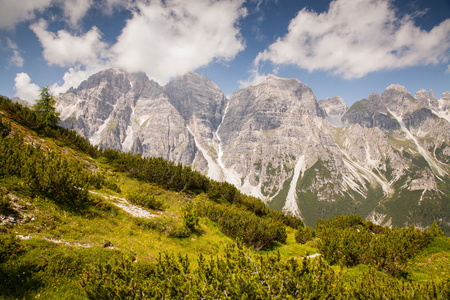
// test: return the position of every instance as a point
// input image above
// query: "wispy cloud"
(13, 12)
(16, 59)
(253, 79)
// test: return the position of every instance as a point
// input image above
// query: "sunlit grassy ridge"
(60, 249)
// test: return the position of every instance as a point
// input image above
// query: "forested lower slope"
(79, 222)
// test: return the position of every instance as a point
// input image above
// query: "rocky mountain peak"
(444, 102)
(193, 78)
(333, 105)
(114, 70)
(374, 97)
(272, 77)
(275, 82)
(198, 99)
(115, 77)
(425, 100)
(281, 96)
(191, 81)
(286, 92)
(334, 108)
(421, 95)
(21, 102)
(371, 112)
(397, 87)
(432, 97)
(397, 99)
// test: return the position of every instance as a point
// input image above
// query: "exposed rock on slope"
(370, 112)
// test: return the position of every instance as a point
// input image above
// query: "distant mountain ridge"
(385, 157)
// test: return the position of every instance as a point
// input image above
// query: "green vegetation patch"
(112, 125)
(432, 262)
(271, 171)
(71, 119)
(420, 162)
(278, 202)
(361, 105)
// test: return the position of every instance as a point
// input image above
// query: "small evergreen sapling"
(45, 109)
(305, 234)
(190, 217)
(5, 204)
(434, 230)
(5, 128)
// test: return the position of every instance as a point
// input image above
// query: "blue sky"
(347, 48)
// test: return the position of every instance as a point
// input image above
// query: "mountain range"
(386, 157)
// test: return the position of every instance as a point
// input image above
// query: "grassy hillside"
(78, 222)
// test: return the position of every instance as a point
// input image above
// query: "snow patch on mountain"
(214, 170)
(71, 110)
(251, 190)
(291, 199)
(127, 143)
(95, 139)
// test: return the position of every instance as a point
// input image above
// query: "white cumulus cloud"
(356, 37)
(170, 38)
(25, 89)
(64, 49)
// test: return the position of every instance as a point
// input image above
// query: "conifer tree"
(45, 109)
(434, 230)
(5, 128)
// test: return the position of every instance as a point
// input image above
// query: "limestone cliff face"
(386, 157)
(270, 135)
(198, 100)
(201, 104)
